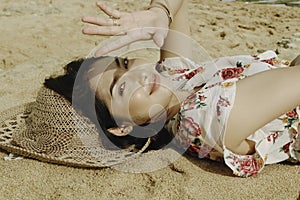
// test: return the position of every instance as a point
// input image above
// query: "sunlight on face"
(133, 90)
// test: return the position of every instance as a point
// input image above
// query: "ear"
(123, 130)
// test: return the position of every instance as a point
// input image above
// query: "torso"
(201, 121)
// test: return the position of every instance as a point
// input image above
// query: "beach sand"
(39, 37)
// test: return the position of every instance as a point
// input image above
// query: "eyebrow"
(117, 61)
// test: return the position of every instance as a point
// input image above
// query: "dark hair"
(64, 85)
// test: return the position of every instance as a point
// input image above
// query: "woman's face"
(133, 90)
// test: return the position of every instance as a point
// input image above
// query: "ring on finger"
(115, 22)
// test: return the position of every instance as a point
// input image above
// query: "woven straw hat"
(49, 129)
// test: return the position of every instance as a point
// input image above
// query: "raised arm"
(178, 42)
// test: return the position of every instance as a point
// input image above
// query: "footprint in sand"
(289, 42)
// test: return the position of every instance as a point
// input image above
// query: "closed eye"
(122, 88)
(112, 85)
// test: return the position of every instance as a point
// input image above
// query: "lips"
(154, 84)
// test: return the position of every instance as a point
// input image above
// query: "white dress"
(200, 124)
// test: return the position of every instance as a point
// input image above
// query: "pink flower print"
(194, 149)
(290, 119)
(200, 149)
(218, 111)
(273, 137)
(239, 70)
(249, 166)
(179, 71)
(269, 61)
(194, 101)
(199, 70)
(286, 147)
(192, 97)
(255, 57)
(222, 102)
(181, 139)
(213, 85)
(176, 71)
(190, 102)
(229, 73)
(292, 114)
(188, 125)
(191, 74)
(202, 98)
(235, 159)
(190, 106)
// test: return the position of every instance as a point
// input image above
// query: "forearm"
(169, 7)
(178, 41)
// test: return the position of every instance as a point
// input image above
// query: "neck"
(176, 101)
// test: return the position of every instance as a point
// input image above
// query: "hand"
(131, 27)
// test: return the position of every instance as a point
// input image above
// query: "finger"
(103, 30)
(159, 38)
(119, 43)
(109, 11)
(97, 21)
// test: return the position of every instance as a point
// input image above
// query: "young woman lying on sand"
(240, 109)
(243, 110)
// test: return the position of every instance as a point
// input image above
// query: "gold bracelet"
(163, 4)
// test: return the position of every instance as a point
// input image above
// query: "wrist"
(162, 10)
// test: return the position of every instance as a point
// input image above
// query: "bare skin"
(140, 25)
(252, 108)
(259, 100)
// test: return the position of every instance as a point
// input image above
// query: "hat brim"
(13, 118)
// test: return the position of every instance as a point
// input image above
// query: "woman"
(220, 113)
(219, 110)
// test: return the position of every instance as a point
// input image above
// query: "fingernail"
(85, 30)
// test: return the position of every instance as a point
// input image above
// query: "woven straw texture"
(50, 130)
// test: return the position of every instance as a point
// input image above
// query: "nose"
(137, 77)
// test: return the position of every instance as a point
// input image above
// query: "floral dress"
(201, 122)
